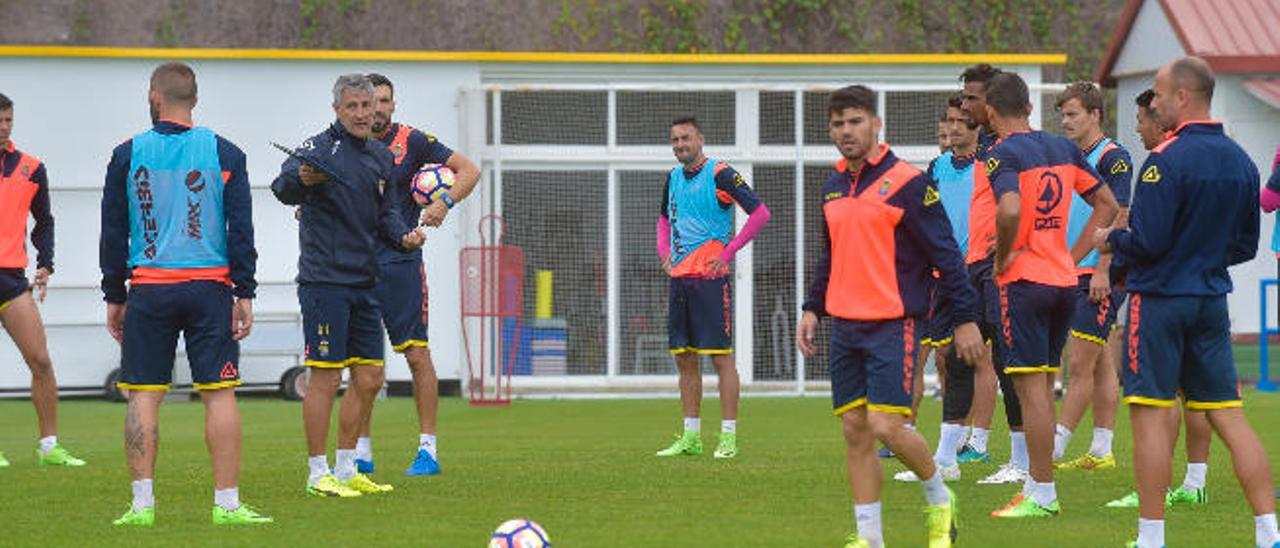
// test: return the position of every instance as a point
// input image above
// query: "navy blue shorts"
(342, 325)
(941, 320)
(402, 296)
(700, 316)
(982, 278)
(1177, 343)
(1034, 321)
(154, 316)
(13, 282)
(1092, 321)
(873, 364)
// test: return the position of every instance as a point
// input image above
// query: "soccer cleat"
(941, 523)
(1007, 473)
(244, 515)
(854, 542)
(1128, 501)
(364, 466)
(1088, 462)
(4, 463)
(885, 453)
(361, 483)
(145, 517)
(949, 473)
(688, 443)
(329, 486)
(1027, 508)
(728, 446)
(423, 464)
(1017, 499)
(58, 456)
(970, 454)
(1186, 496)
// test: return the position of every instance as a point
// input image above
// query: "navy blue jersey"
(1195, 213)
(411, 149)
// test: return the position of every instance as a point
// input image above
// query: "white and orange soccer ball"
(430, 182)
(519, 533)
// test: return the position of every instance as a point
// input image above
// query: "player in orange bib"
(1031, 175)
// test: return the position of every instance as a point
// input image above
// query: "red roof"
(1265, 89)
(1232, 35)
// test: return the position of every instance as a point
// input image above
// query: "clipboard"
(311, 162)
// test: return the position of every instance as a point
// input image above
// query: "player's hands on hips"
(241, 318)
(413, 240)
(41, 284)
(434, 214)
(115, 321)
(1099, 286)
(804, 333)
(1100, 240)
(717, 267)
(310, 175)
(968, 341)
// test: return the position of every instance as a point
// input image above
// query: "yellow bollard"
(545, 284)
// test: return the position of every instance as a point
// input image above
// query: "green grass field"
(583, 469)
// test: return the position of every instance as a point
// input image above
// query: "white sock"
(1264, 530)
(1018, 450)
(344, 464)
(692, 424)
(143, 497)
(228, 499)
(1061, 439)
(1101, 445)
(428, 442)
(1150, 533)
(729, 425)
(978, 439)
(867, 516)
(1044, 493)
(1196, 472)
(319, 465)
(364, 449)
(948, 441)
(935, 491)
(47, 443)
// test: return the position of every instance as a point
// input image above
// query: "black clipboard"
(318, 165)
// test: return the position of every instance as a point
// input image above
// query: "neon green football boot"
(329, 486)
(1088, 462)
(1128, 501)
(363, 484)
(1028, 508)
(688, 443)
(58, 456)
(1186, 496)
(145, 517)
(728, 446)
(244, 515)
(941, 523)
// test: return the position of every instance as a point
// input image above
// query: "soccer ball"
(430, 182)
(519, 533)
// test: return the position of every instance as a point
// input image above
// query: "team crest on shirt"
(884, 187)
(1120, 167)
(26, 171)
(1151, 175)
(992, 164)
(397, 150)
(930, 196)
(1047, 201)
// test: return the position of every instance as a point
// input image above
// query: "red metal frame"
(491, 268)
